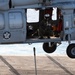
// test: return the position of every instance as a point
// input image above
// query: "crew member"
(45, 28)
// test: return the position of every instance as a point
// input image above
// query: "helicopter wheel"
(49, 47)
(71, 50)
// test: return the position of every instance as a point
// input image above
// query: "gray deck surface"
(46, 65)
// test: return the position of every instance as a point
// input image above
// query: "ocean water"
(26, 49)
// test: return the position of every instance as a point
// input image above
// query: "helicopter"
(14, 27)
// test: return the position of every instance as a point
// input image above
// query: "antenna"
(35, 60)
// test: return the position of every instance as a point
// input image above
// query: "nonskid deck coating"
(46, 65)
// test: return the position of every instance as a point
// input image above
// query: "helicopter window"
(1, 21)
(15, 20)
(54, 14)
(32, 15)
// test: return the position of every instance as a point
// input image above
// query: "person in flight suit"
(45, 28)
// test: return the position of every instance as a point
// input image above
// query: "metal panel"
(1, 21)
(15, 31)
(15, 20)
(25, 2)
(4, 4)
(61, 1)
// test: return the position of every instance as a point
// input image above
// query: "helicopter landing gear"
(71, 51)
(49, 47)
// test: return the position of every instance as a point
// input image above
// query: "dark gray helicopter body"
(14, 27)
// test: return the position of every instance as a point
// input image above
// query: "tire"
(49, 49)
(71, 51)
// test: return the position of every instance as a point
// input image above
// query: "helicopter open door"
(46, 29)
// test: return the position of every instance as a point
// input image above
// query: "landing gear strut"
(49, 47)
(71, 51)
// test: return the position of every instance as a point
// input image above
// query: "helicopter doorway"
(37, 23)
